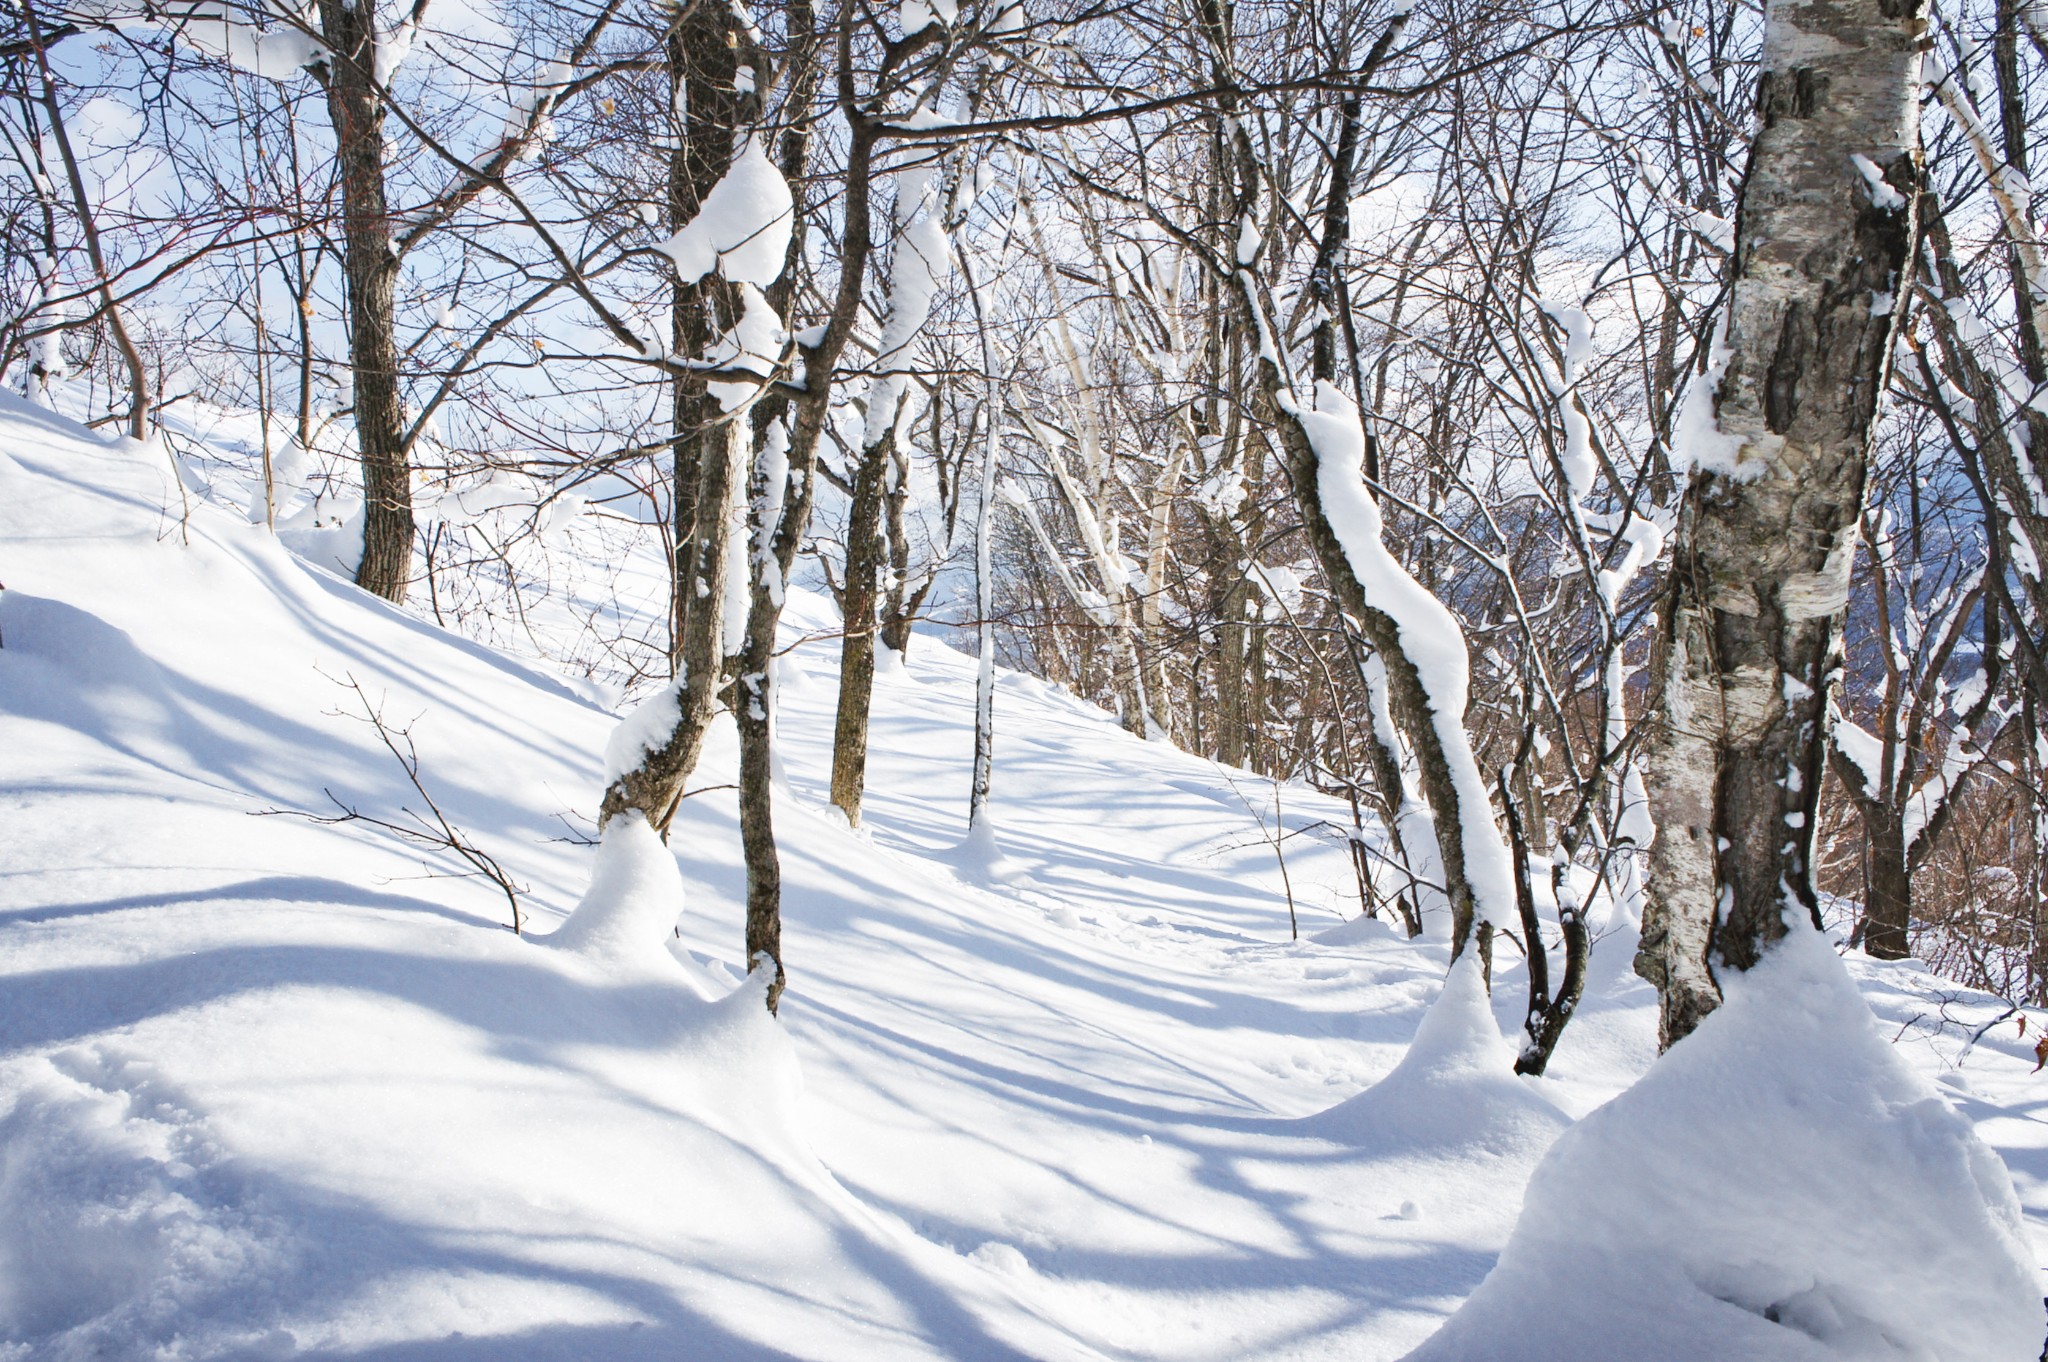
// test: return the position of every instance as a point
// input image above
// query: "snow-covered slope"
(270, 1088)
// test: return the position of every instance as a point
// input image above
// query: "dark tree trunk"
(1750, 624)
(709, 46)
(769, 564)
(705, 52)
(865, 550)
(1888, 897)
(371, 268)
(655, 786)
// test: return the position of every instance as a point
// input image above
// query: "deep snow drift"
(272, 1088)
(1780, 1186)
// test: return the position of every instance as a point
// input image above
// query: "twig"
(430, 829)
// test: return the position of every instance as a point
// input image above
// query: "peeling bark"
(1750, 625)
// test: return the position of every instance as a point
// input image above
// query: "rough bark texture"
(371, 267)
(804, 415)
(1750, 624)
(706, 51)
(866, 548)
(1888, 893)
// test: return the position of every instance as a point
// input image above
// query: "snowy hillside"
(273, 1088)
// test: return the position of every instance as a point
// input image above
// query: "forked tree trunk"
(1750, 625)
(705, 53)
(371, 268)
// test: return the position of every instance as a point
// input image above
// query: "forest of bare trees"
(1597, 442)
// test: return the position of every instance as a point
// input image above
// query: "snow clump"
(742, 230)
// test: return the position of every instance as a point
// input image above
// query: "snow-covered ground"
(269, 1088)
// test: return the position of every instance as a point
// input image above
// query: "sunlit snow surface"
(267, 1089)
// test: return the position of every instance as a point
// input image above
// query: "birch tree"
(1749, 633)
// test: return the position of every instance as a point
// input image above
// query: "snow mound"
(1357, 931)
(628, 914)
(1454, 1090)
(980, 857)
(1779, 1186)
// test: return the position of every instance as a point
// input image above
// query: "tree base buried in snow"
(1780, 1188)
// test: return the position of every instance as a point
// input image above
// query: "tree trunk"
(705, 51)
(1750, 624)
(117, 326)
(773, 548)
(371, 268)
(709, 46)
(1232, 749)
(655, 785)
(1888, 896)
(865, 549)
(805, 417)
(983, 777)
(900, 601)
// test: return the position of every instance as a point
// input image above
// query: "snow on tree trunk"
(984, 569)
(793, 423)
(1760, 572)
(717, 191)
(918, 261)
(1419, 643)
(742, 231)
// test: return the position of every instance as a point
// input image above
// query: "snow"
(1066, 1090)
(1882, 195)
(650, 724)
(1455, 1089)
(1697, 440)
(919, 259)
(629, 913)
(1430, 635)
(1778, 1186)
(754, 346)
(918, 15)
(742, 229)
(1864, 752)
